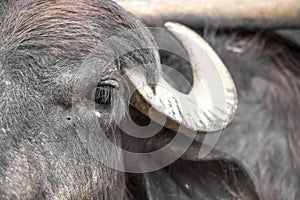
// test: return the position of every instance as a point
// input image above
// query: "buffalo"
(76, 74)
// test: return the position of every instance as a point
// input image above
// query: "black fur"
(265, 134)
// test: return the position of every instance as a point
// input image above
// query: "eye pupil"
(103, 95)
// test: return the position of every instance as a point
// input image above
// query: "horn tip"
(169, 24)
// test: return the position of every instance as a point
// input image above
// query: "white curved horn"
(211, 103)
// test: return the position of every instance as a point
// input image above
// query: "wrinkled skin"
(52, 142)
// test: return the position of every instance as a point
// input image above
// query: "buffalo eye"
(102, 93)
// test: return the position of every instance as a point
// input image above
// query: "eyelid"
(105, 84)
(109, 82)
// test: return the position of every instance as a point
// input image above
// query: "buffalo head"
(66, 69)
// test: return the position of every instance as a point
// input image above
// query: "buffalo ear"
(187, 180)
(211, 179)
(208, 106)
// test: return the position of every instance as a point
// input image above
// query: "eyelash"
(102, 94)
